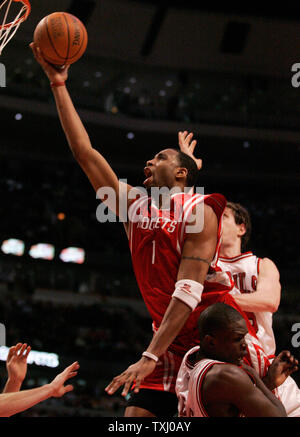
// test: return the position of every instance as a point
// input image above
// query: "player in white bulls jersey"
(213, 381)
(256, 289)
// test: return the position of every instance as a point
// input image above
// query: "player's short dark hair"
(215, 318)
(241, 216)
(187, 162)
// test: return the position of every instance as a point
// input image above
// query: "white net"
(9, 28)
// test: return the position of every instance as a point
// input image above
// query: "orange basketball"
(61, 37)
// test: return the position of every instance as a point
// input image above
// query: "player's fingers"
(137, 385)
(34, 50)
(181, 138)
(189, 138)
(184, 135)
(18, 347)
(193, 145)
(68, 388)
(11, 353)
(38, 55)
(114, 385)
(127, 387)
(27, 351)
(285, 354)
(73, 367)
(199, 163)
(291, 370)
(22, 349)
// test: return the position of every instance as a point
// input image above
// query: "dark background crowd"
(246, 123)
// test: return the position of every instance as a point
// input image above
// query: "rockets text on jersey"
(156, 222)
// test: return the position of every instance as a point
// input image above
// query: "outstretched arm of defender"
(92, 162)
(13, 403)
(268, 290)
(198, 252)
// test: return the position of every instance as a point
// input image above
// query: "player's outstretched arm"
(198, 252)
(268, 290)
(16, 364)
(13, 403)
(91, 161)
(231, 385)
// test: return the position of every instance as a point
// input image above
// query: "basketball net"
(8, 30)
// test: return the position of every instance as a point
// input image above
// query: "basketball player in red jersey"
(174, 264)
(213, 381)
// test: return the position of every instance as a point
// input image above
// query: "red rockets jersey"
(156, 240)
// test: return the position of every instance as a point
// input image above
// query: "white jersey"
(243, 270)
(188, 385)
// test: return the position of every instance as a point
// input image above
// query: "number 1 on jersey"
(153, 251)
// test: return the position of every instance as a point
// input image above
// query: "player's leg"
(137, 412)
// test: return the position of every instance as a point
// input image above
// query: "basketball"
(61, 37)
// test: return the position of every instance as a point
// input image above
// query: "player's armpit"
(230, 384)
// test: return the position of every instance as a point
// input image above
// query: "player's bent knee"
(137, 412)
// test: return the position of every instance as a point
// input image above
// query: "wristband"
(149, 355)
(189, 292)
(57, 84)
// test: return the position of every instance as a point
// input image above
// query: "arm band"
(189, 292)
(56, 84)
(149, 355)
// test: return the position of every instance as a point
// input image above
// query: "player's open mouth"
(148, 174)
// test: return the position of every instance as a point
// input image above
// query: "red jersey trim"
(199, 383)
(235, 258)
(258, 264)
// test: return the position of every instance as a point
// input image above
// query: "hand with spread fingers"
(16, 365)
(282, 366)
(187, 145)
(58, 389)
(135, 373)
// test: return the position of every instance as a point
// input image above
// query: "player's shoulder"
(224, 378)
(225, 372)
(267, 265)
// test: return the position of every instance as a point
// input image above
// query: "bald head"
(217, 317)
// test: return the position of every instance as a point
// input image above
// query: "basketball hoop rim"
(24, 17)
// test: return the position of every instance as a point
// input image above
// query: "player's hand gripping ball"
(61, 37)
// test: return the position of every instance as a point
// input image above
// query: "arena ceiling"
(162, 34)
(261, 39)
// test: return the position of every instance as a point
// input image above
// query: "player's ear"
(242, 229)
(209, 341)
(181, 173)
